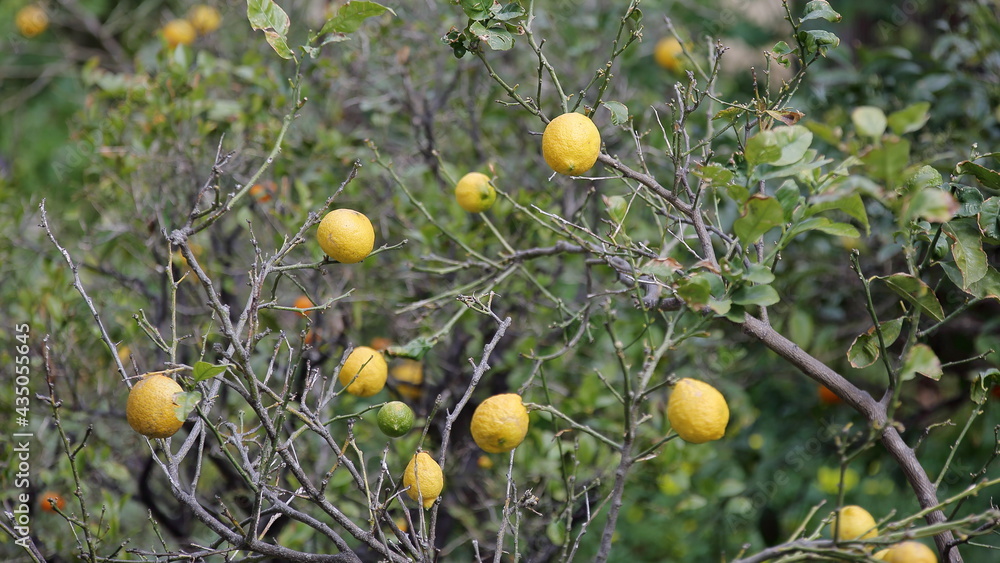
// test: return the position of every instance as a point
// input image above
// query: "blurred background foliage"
(117, 132)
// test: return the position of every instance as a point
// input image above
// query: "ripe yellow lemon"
(667, 53)
(179, 32)
(205, 19)
(571, 144)
(697, 411)
(908, 552)
(856, 523)
(500, 423)
(474, 192)
(409, 376)
(346, 236)
(31, 20)
(424, 478)
(367, 368)
(395, 418)
(151, 410)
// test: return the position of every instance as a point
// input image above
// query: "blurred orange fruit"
(828, 397)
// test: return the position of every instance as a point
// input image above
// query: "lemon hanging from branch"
(571, 144)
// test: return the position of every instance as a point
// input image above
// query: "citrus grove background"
(795, 204)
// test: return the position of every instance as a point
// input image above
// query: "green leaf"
(916, 292)
(478, 9)
(619, 112)
(414, 349)
(969, 199)
(760, 215)
(762, 148)
(498, 38)
(983, 383)
(989, 220)
(351, 15)
(782, 48)
(510, 12)
(988, 287)
(759, 273)
(801, 328)
(818, 41)
(933, 204)
(729, 114)
(869, 121)
(789, 197)
(205, 370)
(887, 162)
(821, 224)
(852, 205)
(910, 118)
(717, 174)
(967, 248)
(695, 291)
(266, 16)
(807, 163)
(864, 351)
(989, 178)
(617, 206)
(793, 141)
(761, 295)
(186, 402)
(924, 177)
(819, 9)
(921, 359)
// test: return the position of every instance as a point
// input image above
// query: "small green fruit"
(395, 418)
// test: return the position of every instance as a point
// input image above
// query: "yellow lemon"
(205, 19)
(881, 555)
(31, 20)
(179, 32)
(571, 144)
(856, 523)
(364, 372)
(151, 410)
(909, 552)
(474, 192)
(409, 376)
(667, 53)
(424, 478)
(500, 423)
(697, 411)
(346, 236)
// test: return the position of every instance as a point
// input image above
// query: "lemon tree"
(571, 144)
(500, 423)
(346, 235)
(151, 409)
(364, 372)
(423, 479)
(697, 411)
(475, 193)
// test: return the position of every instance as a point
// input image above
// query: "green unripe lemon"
(395, 418)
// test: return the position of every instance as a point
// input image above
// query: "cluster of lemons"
(855, 523)
(201, 20)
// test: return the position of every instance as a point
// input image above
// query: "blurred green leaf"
(969, 199)
(821, 224)
(267, 16)
(818, 42)
(869, 121)
(351, 15)
(479, 10)
(983, 383)
(933, 204)
(916, 292)
(852, 205)
(924, 177)
(910, 118)
(617, 206)
(989, 220)
(695, 291)
(864, 351)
